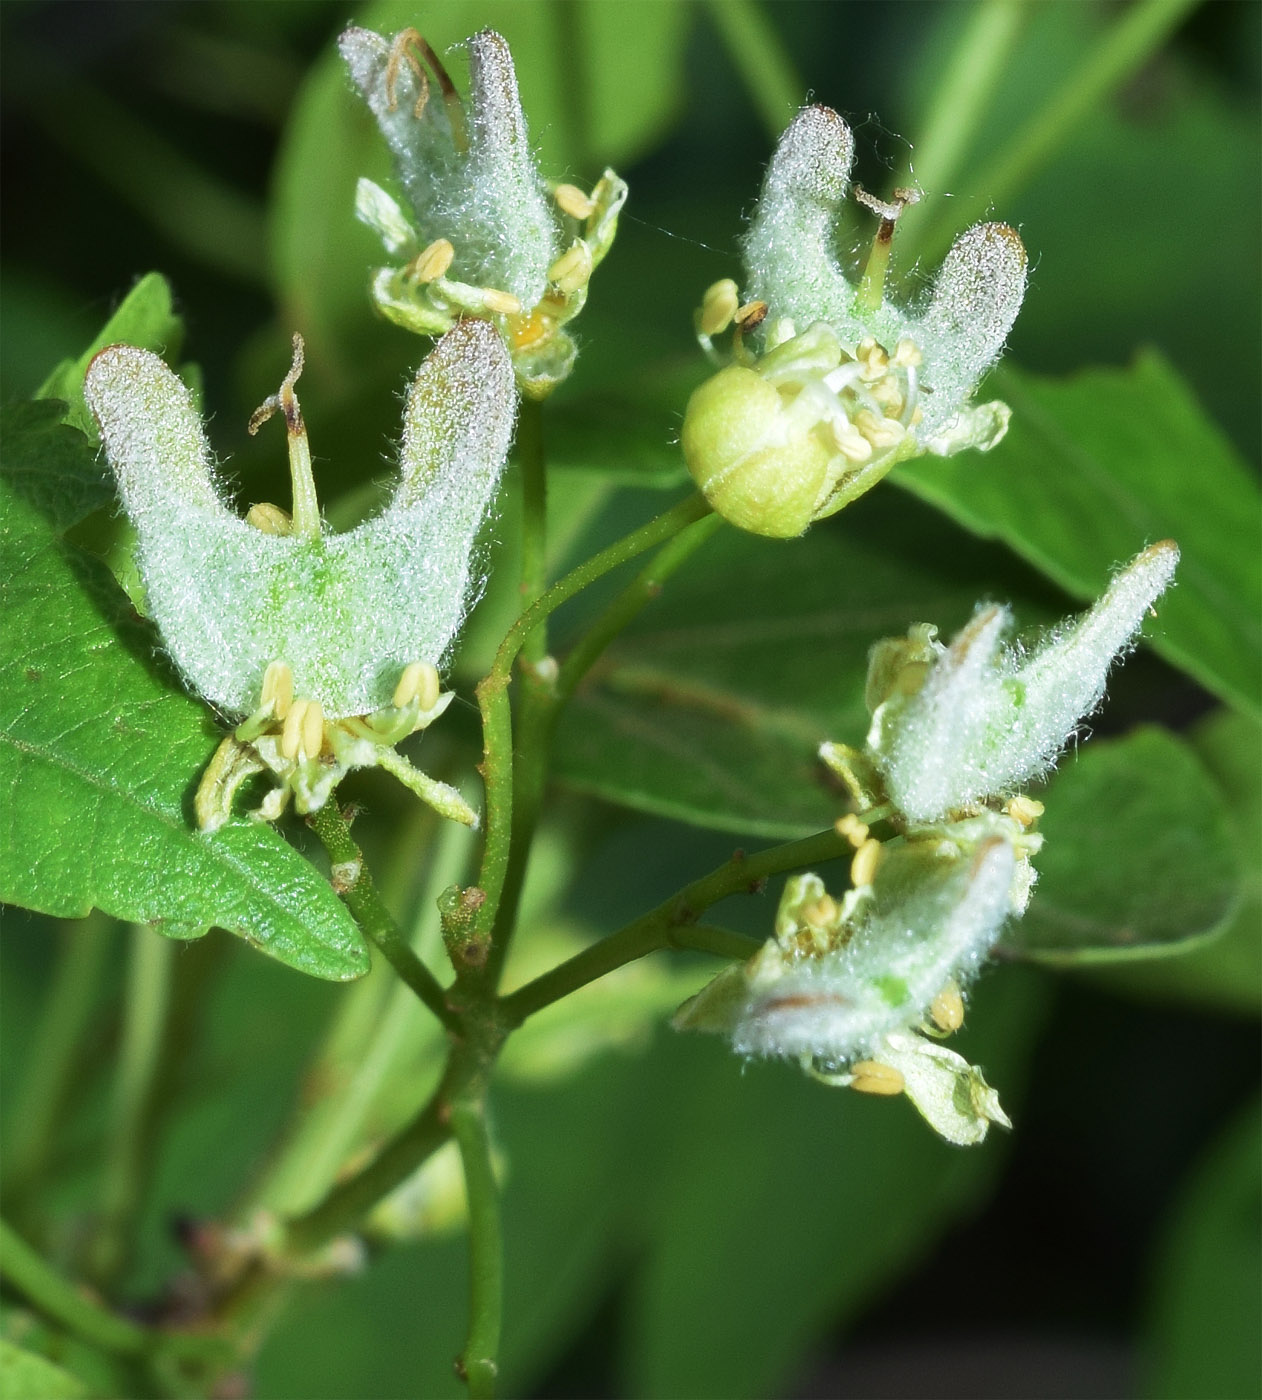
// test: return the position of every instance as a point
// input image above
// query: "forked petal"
(152, 435)
(975, 301)
(789, 249)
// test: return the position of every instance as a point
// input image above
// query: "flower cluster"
(484, 235)
(830, 384)
(327, 643)
(860, 990)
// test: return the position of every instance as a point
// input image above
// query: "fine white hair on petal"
(928, 922)
(790, 246)
(347, 613)
(987, 720)
(975, 301)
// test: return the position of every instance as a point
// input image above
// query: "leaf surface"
(1095, 466)
(100, 753)
(1138, 859)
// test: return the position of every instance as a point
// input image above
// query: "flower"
(327, 643)
(484, 235)
(831, 384)
(858, 991)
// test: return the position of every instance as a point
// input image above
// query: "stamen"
(313, 729)
(500, 303)
(573, 269)
(851, 829)
(278, 689)
(872, 1077)
(946, 1011)
(418, 682)
(866, 860)
(306, 517)
(1024, 810)
(572, 201)
(718, 307)
(881, 432)
(291, 734)
(270, 519)
(432, 262)
(823, 912)
(872, 286)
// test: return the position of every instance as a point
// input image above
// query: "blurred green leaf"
(710, 709)
(26, 1376)
(1203, 1335)
(99, 756)
(779, 1208)
(1139, 859)
(1098, 465)
(599, 85)
(145, 318)
(1227, 972)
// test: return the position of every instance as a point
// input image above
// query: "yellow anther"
(866, 860)
(278, 688)
(500, 303)
(907, 354)
(872, 1077)
(530, 330)
(418, 682)
(270, 519)
(822, 913)
(946, 1011)
(572, 201)
(888, 393)
(432, 263)
(873, 356)
(312, 729)
(882, 433)
(573, 269)
(291, 734)
(851, 443)
(718, 307)
(851, 829)
(1023, 809)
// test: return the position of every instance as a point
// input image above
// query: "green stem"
(146, 999)
(534, 522)
(374, 919)
(497, 723)
(53, 1051)
(761, 60)
(486, 1252)
(1131, 41)
(628, 604)
(372, 1041)
(960, 101)
(346, 1204)
(672, 923)
(62, 1301)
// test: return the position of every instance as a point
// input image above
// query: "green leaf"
(1138, 859)
(1202, 1333)
(49, 467)
(711, 708)
(99, 757)
(779, 1208)
(146, 318)
(1227, 971)
(26, 1376)
(1097, 465)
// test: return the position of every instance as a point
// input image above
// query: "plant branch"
(534, 522)
(374, 919)
(486, 1253)
(673, 923)
(497, 724)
